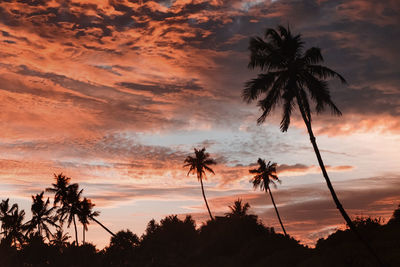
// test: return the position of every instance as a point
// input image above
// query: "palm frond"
(323, 72)
(313, 56)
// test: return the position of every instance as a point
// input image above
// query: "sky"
(116, 94)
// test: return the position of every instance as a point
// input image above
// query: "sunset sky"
(115, 94)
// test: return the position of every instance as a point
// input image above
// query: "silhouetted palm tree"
(85, 213)
(71, 209)
(69, 197)
(60, 188)
(240, 210)
(41, 216)
(263, 176)
(291, 76)
(199, 164)
(60, 240)
(14, 226)
(5, 213)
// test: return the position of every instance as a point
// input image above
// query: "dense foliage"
(236, 239)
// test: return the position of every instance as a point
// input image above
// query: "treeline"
(235, 239)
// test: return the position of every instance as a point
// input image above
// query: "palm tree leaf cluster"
(289, 76)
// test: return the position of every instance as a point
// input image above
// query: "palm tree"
(199, 164)
(290, 75)
(13, 226)
(60, 188)
(5, 213)
(60, 240)
(85, 213)
(41, 216)
(69, 196)
(263, 176)
(240, 210)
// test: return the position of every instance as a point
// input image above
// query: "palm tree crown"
(264, 174)
(41, 216)
(85, 213)
(238, 209)
(290, 74)
(199, 163)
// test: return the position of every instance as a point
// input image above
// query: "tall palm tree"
(199, 164)
(264, 175)
(41, 216)
(289, 76)
(70, 208)
(68, 195)
(85, 213)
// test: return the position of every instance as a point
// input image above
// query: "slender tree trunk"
(276, 209)
(83, 238)
(105, 228)
(76, 232)
(333, 193)
(205, 200)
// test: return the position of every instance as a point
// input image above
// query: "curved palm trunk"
(76, 232)
(105, 228)
(276, 210)
(205, 200)
(332, 191)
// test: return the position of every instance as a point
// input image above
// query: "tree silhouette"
(395, 219)
(41, 216)
(85, 213)
(291, 76)
(5, 213)
(69, 197)
(199, 164)
(238, 209)
(60, 240)
(263, 176)
(14, 227)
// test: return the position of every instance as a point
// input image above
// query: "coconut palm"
(60, 240)
(60, 188)
(5, 213)
(240, 210)
(264, 175)
(14, 227)
(42, 216)
(292, 76)
(70, 208)
(85, 213)
(199, 164)
(68, 195)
